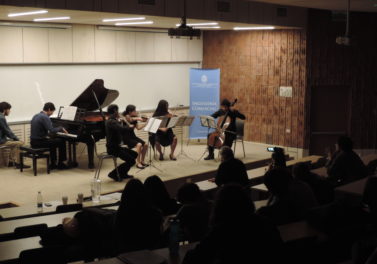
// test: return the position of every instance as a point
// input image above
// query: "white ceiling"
(356, 5)
(95, 18)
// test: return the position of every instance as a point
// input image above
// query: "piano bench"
(34, 154)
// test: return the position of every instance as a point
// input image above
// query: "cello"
(216, 139)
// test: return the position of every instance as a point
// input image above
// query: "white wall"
(87, 44)
(46, 64)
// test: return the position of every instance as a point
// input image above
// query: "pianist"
(40, 131)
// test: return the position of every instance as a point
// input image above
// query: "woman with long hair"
(164, 136)
(131, 118)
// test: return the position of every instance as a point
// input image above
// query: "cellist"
(227, 115)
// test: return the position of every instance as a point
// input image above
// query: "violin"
(217, 138)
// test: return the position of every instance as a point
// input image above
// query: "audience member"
(321, 188)
(159, 197)
(8, 138)
(290, 199)
(195, 212)
(231, 170)
(138, 224)
(345, 165)
(40, 130)
(237, 234)
(278, 159)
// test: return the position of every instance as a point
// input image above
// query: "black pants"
(125, 154)
(228, 141)
(53, 144)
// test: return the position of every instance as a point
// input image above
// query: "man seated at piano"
(114, 135)
(42, 136)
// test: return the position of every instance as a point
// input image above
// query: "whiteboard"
(28, 87)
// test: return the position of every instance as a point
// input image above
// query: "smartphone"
(271, 149)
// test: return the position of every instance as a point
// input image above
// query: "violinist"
(164, 136)
(131, 119)
(229, 123)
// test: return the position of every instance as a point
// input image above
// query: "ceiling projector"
(184, 31)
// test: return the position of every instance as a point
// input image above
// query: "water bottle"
(174, 237)
(96, 190)
(40, 202)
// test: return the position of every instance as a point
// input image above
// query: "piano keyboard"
(66, 135)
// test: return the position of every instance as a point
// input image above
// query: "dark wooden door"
(329, 116)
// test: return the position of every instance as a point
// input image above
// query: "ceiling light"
(214, 27)
(122, 19)
(50, 19)
(28, 13)
(35, 25)
(134, 23)
(200, 24)
(253, 28)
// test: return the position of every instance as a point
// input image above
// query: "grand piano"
(89, 123)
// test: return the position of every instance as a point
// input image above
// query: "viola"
(216, 139)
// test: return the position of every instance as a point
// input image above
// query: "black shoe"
(161, 157)
(210, 157)
(141, 167)
(145, 165)
(127, 176)
(114, 176)
(172, 158)
(62, 166)
(18, 166)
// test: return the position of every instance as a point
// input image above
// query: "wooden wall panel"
(355, 66)
(253, 66)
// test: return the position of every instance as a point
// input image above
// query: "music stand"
(152, 127)
(184, 121)
(209, 122)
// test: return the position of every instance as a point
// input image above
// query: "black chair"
(30, 231)
(68, 208)
(240, 126)
(34, 154)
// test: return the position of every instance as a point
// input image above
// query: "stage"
(22, 188)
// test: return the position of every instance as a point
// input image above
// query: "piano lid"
(87, 101)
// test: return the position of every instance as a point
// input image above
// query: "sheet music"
(207, 121)
(173, 121)
(68, 113)
(188, 121)
(153, 125)
(164, 121)
(181, 120)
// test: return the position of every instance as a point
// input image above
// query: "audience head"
(5, 108)
(113, 109)
(49, 108)
(133, 195)
(232, 204)
(189, 193)
(130, 110)
(225, 104)
(155, 189)
(277, 181)
(162, 108)
(301, 171)
(278, 158)
(226, 153)
(345, 143)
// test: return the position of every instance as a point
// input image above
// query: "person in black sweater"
(195, 212)
(345, 165)
(158, 196)
(138, 223)
(231, 170)
(237, 234)
(230, 133)
(114, 132)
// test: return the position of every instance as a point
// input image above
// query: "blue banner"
(204, 97)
